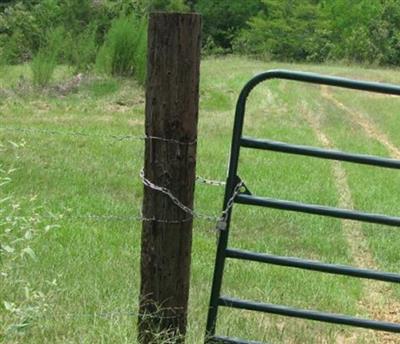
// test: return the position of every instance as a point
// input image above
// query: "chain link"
(221, 220)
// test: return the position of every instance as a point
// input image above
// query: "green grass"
(88, 270)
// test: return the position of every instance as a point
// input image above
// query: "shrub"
(124, 50)
(20, 33)
(223, 19)
(82, 50)
(165, 5)
(280, 31)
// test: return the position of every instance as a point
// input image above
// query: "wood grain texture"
(172, 98)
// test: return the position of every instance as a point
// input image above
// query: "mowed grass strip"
(95, 263)
(372, 189)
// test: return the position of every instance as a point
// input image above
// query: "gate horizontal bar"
(315, 78)
(282, 147)
(308, 314)
(313, 265)
(223, 339)
(318, 210)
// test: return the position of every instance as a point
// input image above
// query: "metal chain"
(221, 220)
(174, 199)
(222, 223)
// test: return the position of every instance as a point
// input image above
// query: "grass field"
(67, 277)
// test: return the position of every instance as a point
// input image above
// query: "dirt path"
(374, 301)
(370, 129)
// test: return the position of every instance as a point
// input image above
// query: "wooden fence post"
(172, 97)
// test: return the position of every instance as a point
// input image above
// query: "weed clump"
(124, 50)
(21, 227)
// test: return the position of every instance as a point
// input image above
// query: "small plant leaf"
(29, 252)
(7, 248)
(8, 306)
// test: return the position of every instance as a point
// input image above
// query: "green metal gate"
(236, 195)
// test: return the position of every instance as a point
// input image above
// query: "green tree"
(350, 29)
(282, 30)
(386, 32)
(224, 18)
(165, 5)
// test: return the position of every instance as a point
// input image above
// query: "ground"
(73, 154)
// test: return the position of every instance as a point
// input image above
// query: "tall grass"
(95, 262)
(22, 302)
(124, 50)
(45, 61)
(42, 66)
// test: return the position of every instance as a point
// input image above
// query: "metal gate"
(234, 194)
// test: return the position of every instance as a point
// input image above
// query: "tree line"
(360, 31)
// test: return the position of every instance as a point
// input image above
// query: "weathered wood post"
(172, 97)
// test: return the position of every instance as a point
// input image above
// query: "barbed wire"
(138, 218)
(199, 179)
(211, 182)
(106, 217)
(119, 137)
(219, 220)
(99, 218)
(158, 314)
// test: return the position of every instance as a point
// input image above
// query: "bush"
(124, 50)
(165, 5)
(223, 19)
(82, 50)
(20, 33)
(281, 32)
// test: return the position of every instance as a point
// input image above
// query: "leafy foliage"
(360, 31)
(165, 5)
(223, 19)
(282, 30)
(313, 30)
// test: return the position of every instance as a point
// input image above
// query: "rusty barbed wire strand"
(119, 137)
(199, 179)
(112, 217)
